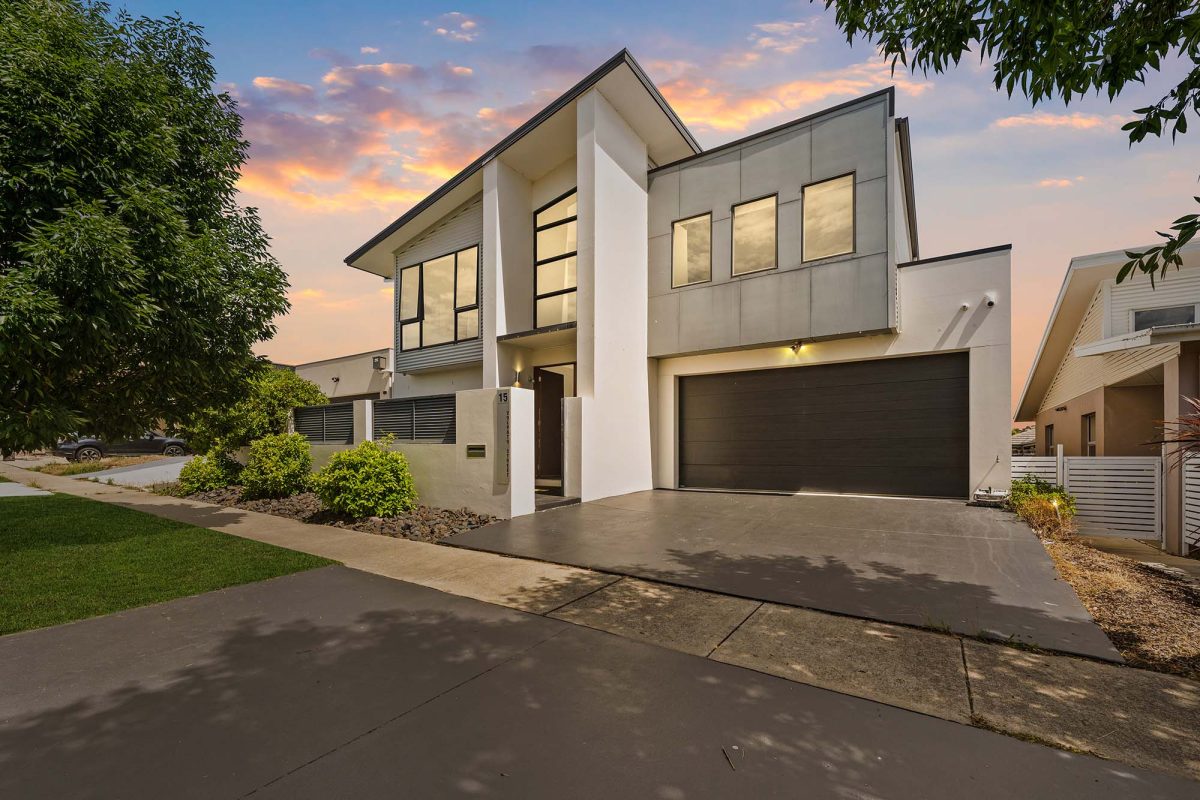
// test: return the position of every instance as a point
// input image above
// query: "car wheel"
(87, 454)
(173, 450)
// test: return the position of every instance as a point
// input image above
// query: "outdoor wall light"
(517, 378)
(796, 345)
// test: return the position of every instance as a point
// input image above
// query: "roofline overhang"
(1165, 334)
(561, 102)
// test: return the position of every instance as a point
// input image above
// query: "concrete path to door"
(930, 563)
(337, 683)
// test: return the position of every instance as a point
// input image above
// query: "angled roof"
(622, 59)
(1084, 274)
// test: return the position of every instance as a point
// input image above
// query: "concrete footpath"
(1138, 717)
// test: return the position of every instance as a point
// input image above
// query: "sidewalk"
(1142, 718)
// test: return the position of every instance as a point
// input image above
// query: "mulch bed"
(1151, 617)
(423, 523)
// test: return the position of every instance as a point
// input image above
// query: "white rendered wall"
(611, 337)
(507, 261)
(932, 320)
(442, 381)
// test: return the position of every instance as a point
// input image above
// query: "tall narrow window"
(754, 236)
(691, 251)
(1089, 434)
(438, 300)
(555, 254)
(828, 228)
(1050, 440)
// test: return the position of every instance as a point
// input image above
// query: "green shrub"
(1031, 487)
(278, 466)
(369, 481)
(270, 395)
(215, 470)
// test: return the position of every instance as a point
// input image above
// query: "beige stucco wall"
(355, 374)
(932, 320)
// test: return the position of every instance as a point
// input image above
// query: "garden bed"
(422, 524)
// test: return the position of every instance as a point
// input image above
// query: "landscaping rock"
(422, 524)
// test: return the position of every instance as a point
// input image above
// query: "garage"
(896, 426)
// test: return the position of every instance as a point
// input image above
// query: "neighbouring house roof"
(1024, 440)
(374, 255)
(1084, 275)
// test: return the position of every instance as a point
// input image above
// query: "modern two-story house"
(754, 317)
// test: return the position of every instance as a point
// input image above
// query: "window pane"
(468, 324)
(439, 301)
(468, 278)
(561, 210)
(754, 236)
(556, 241)
(410, 292)
(556, 275)
(555, 310)
(410, 336)
(829, 218)
(691, 251)
(1157, 317)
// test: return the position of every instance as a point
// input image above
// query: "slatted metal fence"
(1191, 504)
(1117, 496)
(1044, 467)
(421, 419)
(330, 424)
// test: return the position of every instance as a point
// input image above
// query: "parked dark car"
(88, 448)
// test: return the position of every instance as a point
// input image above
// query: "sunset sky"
(357, 109)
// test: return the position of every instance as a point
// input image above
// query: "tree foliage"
(1062, 49)
(263, 411)
(132, 285)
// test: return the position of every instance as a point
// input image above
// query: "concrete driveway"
(161, 470)
(336, 683)
(933, 563)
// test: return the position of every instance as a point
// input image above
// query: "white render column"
(611, 337)
(507, 261)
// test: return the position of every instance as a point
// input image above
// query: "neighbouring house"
(1115, 360)
(1024, 441)
(361, 376)
(615, 309)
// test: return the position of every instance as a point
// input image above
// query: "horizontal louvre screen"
(424, 419)
(332, 423)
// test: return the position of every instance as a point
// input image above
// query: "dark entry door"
(548, 394)
(891, 426)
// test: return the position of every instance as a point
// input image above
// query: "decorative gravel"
(423, 523)
(1151, 617)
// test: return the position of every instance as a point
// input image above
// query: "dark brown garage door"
(893, 426)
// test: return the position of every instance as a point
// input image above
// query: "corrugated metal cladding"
(331, 423)
(422, 419)
(890, 426)
(462, 228)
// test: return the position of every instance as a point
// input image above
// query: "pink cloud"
(284, 87)
(456, 26)
(1076, 121)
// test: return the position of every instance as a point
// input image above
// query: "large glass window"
(1157, 317)
(555, 246)
(439, 300)
(828, 218)
(754, 236)
(691, 251)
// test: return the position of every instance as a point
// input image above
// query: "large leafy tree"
(132, 285)
(1054, 49)
(263, 411)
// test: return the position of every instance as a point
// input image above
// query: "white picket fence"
(1191, 504)
(1114, 495)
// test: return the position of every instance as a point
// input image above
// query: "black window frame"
(676, 222)
(853, 175)
(1048, 433)
(561, 257)
(420, 317)
(733, 210)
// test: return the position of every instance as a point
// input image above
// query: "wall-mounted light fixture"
(796, 345)
(517, 377)
(1061, 408)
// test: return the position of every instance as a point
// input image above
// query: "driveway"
(161, 470)
(933, 563)
(336, 683)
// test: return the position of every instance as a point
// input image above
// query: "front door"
(548, 394)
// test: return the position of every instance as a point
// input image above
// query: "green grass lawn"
(64, 558)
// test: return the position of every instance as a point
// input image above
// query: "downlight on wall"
(796, 346)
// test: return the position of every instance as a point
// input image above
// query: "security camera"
(991, 301)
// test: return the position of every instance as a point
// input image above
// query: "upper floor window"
(1158, 317)
(754, 246)
(439, 300)
(555, 253)
(828, 228)
(691, 251)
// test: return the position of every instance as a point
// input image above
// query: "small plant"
(1049, 509)
(1032, 486)
(369, 481)
(278, 466)
(215, 470)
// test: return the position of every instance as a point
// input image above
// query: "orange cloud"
(347, 76)
(283, 86)
(1077, 121)
(456, 26)
(1060, 183)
